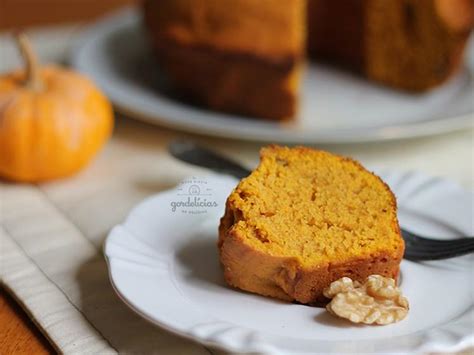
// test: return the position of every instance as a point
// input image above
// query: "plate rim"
(406, 130)
(154, 322)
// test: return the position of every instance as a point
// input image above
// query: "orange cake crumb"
(305, 218)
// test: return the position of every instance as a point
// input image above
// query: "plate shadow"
(200, 257)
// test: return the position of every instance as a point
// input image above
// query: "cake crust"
(239, 83)
(415, 46)
(214, 56)
(246, 56)
(286, 277)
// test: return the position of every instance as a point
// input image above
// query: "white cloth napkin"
(51, 259)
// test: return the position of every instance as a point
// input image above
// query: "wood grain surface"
(18, 334)
(27, 13)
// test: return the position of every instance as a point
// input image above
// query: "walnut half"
(377, 301)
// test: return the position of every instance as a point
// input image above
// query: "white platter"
(336, 107)
(164, 265)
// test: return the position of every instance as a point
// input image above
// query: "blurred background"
(30, 13)
(134, 164)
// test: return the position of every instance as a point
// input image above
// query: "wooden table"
(26, 13)
(18, 334)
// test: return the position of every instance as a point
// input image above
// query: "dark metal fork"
(416, 248)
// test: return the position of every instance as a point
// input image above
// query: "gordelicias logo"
(194, 197)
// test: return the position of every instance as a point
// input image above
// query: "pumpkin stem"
(33, 80)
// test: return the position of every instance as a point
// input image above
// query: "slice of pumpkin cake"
(305, 218)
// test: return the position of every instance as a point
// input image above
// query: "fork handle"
(192, 153)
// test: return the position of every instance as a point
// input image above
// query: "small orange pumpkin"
(52, 121)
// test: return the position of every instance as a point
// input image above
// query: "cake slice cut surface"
(305, 218)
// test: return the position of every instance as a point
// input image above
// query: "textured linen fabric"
(51, 235)
(51, 260)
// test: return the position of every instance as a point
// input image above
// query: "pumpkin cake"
(241, 56)
(245, 56)
(305, 218)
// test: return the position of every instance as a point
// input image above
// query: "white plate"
(336, 106)
(164, 265)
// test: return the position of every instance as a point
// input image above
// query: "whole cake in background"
(246, 56)
(305, 218)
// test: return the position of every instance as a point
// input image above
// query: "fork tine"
(443, 246)
(419, 248)
(413, 238)
(416, 236)
(419, 253)
(461, 241)
(440, 249)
